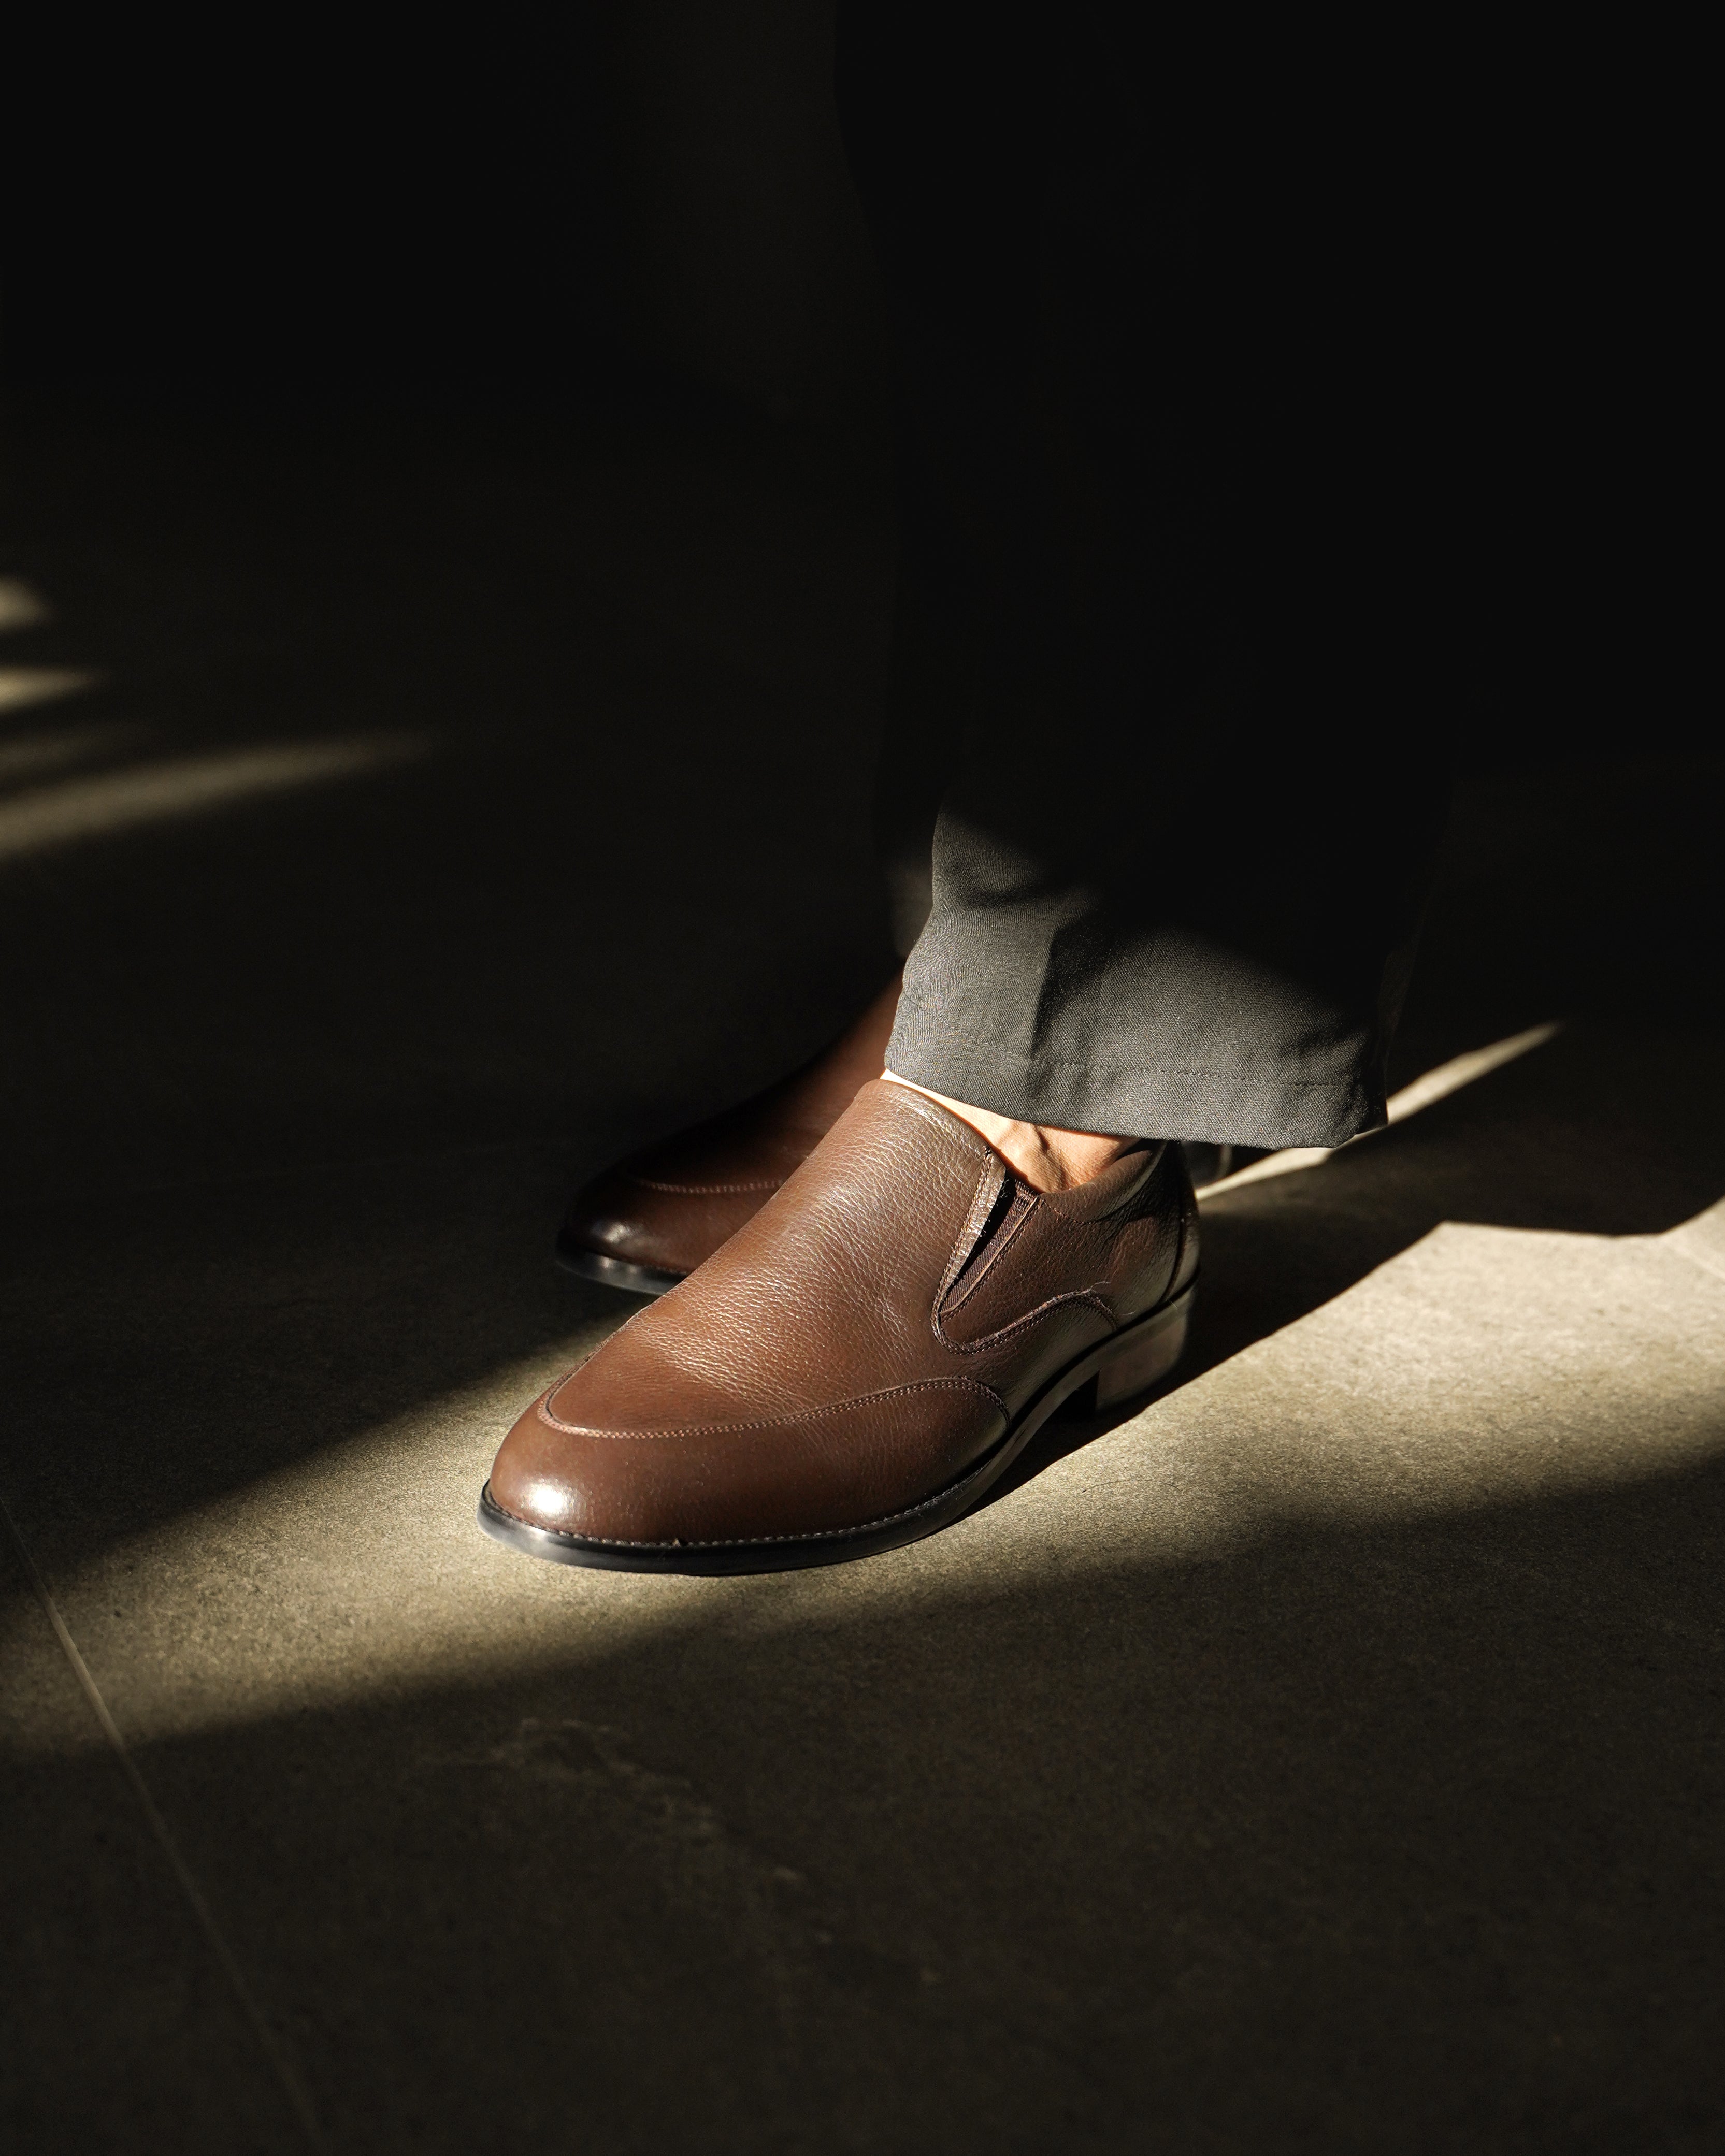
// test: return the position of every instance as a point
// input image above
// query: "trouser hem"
(1162, 1097)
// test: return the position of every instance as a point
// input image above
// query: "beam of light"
(22, 606)
(111, 802)
(1437, 1084)
(1462, 1071)
(1482, 1367)
(21, 686)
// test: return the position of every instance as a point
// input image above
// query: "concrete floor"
(1326, 1757)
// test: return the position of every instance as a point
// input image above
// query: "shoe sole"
(615, 1272)
(1121, 1369)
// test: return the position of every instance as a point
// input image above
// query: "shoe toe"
(540, 1480)
(814, 1471)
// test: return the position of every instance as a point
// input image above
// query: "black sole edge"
(709, 1560)
(615, 1272)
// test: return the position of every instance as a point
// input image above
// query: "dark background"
(526, 207)
(557, 212)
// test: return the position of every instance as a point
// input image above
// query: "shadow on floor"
(1401, 1836)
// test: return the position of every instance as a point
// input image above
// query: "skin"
(1046, 1157)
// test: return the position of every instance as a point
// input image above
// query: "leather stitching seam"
(700, 1189)
(1097, 1297)
(768, 1422)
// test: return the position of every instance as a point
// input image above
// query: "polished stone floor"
(397, 819)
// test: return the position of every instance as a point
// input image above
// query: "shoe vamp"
(829, 1295)
(800, 1327)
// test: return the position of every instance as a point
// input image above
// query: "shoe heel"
(1146, 1356)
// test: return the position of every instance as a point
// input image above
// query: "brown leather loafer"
(861, 1361)
(648, 1222)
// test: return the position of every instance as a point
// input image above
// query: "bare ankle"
(1043, 1156)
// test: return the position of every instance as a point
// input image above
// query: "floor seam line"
(299, 2099)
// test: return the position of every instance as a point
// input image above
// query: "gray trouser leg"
(1177, 607)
